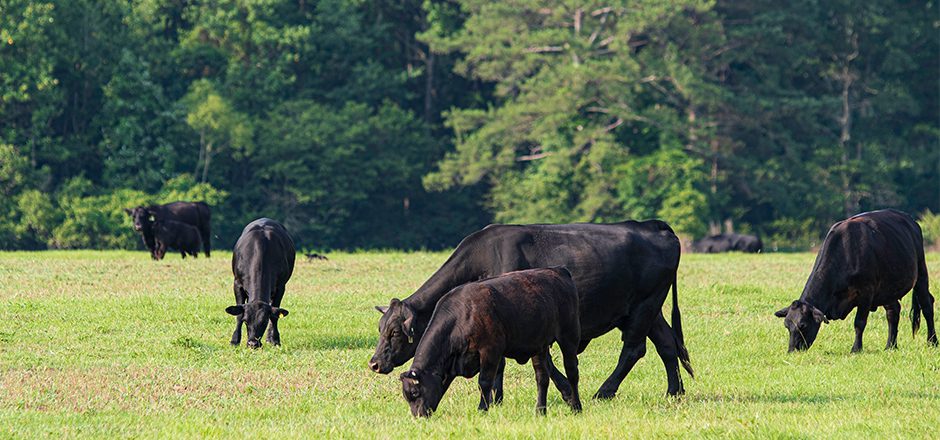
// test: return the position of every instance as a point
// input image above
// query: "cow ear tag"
(411, 336)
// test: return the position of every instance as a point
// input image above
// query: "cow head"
(142, 217)
(803, 322)
(256, 315)
(396, 337)
(422, 391)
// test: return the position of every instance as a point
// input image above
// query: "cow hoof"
(540, 410)
(675, 393)
(604, 394)
(234, 343)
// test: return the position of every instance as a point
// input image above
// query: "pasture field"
(112, 344)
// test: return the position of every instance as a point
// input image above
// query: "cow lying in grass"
(475, 326)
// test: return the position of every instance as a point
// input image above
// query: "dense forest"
(408, 124)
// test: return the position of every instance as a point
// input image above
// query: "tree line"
(408, 124)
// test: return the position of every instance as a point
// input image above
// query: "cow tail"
(677, 329)
(915, 312)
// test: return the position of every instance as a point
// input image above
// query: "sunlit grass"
(103, 344)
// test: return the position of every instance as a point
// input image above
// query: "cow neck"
(818, 294)
(437, 349)
(459, 268)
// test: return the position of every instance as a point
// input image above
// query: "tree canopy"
(409, 124)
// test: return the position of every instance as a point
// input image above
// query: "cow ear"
(128, 211)
(235, 310)
(408, 326)
(279, 311)
(410, 374)
(819, 316)
(381, 309)
(782, 313)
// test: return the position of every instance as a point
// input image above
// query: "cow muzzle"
(254, 343)
(380, 367)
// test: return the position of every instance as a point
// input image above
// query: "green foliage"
(409, 124)
(930, 226)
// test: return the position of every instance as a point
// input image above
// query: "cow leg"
(183, 253)
(498, 383)
(559, 379)
(241, 297)
(488, 369)
(635, 330)
(631, 352)
(664, 339)
(569, 353)
(541, 380)
(861, 319)
(926, 300)
(893, 315)
(274, 336)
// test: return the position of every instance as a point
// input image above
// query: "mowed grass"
(112, 344)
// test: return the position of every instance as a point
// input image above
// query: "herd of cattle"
(511, 291)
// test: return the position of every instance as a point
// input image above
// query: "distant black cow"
(728, 243)
(869, 260)
(315, 256)
(193, 213)
(262, 262)
(623, 272)
(177, 235)
(517, 315)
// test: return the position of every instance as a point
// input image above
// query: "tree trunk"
(202, 149)
(429, 87)
(205, 168)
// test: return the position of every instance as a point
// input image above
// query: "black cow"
(193, 213)
(623, 272)
(177, 235)
(262, 262)
(728, 243)
(517, 315)
(869, 260)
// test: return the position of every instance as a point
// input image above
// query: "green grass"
(111, 344)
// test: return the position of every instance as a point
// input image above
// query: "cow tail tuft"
(677, 329)
(915, 313)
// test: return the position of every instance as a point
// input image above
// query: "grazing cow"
(623, 272)
(193, 213)
(262, 262)
(517, 315)
(869, 260)
(728, 243)
(177, 235)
